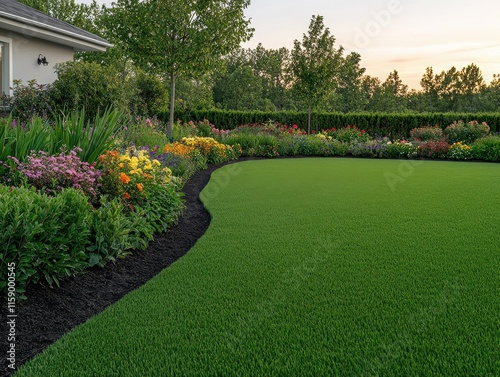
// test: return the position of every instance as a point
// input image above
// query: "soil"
(49, 313)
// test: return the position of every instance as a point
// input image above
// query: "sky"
(403, 35)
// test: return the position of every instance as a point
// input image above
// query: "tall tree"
(350, 84)
(314, 64)
(179, 37)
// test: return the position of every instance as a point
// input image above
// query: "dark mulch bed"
(49, 313)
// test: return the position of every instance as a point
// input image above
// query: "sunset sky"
(406, 35)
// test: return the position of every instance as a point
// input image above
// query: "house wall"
(24, 54)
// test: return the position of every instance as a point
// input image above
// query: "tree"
(81, 15)
(314, 63)
(179, 37)
(350, 84)
(391, 96)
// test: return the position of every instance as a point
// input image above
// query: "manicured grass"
(313, 267)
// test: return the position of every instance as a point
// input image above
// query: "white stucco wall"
(24, 55)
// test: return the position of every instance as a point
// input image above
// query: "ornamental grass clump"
(54, 173)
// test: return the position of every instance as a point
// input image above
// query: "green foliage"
(394, 125)
(152, 95)
(45, 236)
(176, 37)
(110, 231)
(18, 141)
(163, 207)
(427, 133)
(92, 137)
(29, 101)
(314, 62)
(143, 132)
(466, 132)
(487, 148)
(183, 129)
(91, 86)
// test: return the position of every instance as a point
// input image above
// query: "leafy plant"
(427, 133)
(46, 237)
(347, 134)
(29, 101)
(163, 207)
(487, 148)
(110, 233)
(466, 132)
(92, 137)
(144, 132)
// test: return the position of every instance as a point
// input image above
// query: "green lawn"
(316, 267)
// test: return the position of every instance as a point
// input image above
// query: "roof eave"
(47, 32)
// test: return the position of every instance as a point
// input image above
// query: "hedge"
(386, 124)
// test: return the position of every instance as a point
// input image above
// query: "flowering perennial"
(128, 175)
(54, 173)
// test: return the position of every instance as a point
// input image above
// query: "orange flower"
(124, 178)
(126, 195)
(140, 187)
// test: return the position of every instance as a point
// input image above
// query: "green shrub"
(393, 125)
(204, 128)
(253, 144)
(347, 134)
(487, 148)
(91, 86)
(29, 101)
(466, 132)
(151, 94)
(110, 231)
(181, 130)
(427, 133)
(163, 207)
(46, 237)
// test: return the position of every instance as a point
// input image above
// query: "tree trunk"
(172, 105)
(309, 121)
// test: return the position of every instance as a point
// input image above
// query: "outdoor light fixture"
(42, 60)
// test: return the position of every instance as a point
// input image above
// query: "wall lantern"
(42, 60)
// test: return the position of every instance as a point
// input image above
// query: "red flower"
(295, 127)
